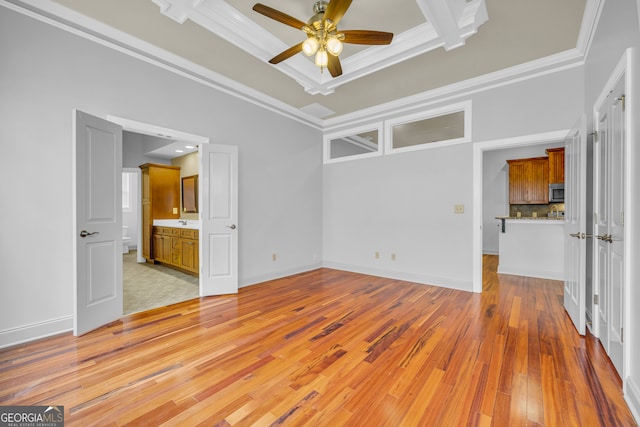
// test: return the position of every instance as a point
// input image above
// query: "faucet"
(557, 210)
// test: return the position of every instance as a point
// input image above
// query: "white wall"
(46, 72)
(495, 189)
(618, 30)
(403, 203)
(130, 217)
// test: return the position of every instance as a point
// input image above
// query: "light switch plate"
(458, 209)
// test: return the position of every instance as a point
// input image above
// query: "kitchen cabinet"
(529, 181)
(160, 200)
(556, 165)
(177, 248)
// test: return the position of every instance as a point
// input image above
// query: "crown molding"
(58, 16)
(73, 22)
(550, 64)
(448, 23)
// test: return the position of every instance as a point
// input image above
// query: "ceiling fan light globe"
(310, 46)
(321, 58)
(334, 46)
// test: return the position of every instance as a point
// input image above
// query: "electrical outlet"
(393, 257)
(175, 211)
(458, 209)
(274, 257)
(377, 255)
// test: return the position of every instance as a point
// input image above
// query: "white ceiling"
(229, 44)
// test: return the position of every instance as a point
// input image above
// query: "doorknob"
(605, 238)
(575, 235)
(85, 233)
(232, 226)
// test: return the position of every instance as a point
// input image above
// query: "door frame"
(154, 130)
(478, 150)
(625, 69)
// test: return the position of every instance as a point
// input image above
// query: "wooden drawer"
(189, 234)
(166, 231)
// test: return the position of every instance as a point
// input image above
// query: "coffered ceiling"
(437, 44)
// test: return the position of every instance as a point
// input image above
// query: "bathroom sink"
(193, 224)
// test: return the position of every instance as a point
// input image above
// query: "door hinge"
(621, 334)
(622, 98)
(595, 217)
(596, 299)
(595, 136)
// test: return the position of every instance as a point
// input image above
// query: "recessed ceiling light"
(190, 147)
(179, 151)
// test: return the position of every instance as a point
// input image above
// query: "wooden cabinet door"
(518, 172)
(538, 191)
(529, 181)
(556, 165)
(158, 247)
(176, 251)
(189, 255)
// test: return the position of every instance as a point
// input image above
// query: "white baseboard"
(277, 275)
(632, 397)
(34, 331)
(541, 274)
(401, 275)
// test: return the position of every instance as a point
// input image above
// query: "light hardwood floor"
(331, 348)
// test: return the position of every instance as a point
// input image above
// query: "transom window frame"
(385, 132)
(371, 127)
(464, 107)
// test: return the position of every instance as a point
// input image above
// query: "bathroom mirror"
(190, 194)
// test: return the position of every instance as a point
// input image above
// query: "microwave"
(556, 193)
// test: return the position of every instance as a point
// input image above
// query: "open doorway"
(151, 285)
(479, 225)
(97, 152)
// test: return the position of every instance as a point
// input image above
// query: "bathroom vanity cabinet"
(176, 247)
(160, 200)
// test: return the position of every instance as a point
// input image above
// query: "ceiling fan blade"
(336, 10)
(367, 37)
(334, 66)
(286, 54)
(282, 17)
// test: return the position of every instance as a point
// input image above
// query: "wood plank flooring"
(330, 348)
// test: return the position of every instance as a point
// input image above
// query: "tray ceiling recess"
(447, 24)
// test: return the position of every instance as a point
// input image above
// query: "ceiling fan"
(323, 37)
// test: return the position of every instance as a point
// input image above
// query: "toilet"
(125, 239)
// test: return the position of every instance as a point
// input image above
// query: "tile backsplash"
(528, 210)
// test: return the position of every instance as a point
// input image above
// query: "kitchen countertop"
(538, 218)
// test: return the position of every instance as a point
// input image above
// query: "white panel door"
(600, 228)
(576, 225)
(617, 137)
(98, 224)
(218, 219)
(609, 190)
